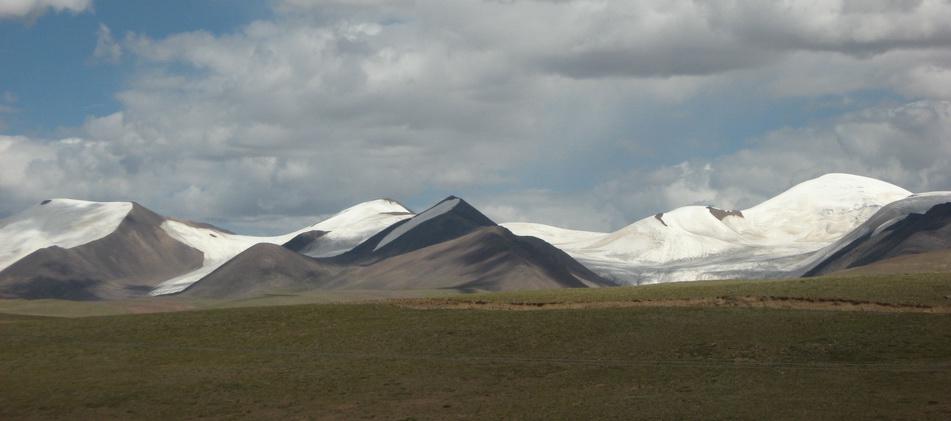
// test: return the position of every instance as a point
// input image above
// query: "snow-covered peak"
(354, 225)
(833, 191)
(374, 210)
(820, 210)
(440, 209)
(65, 223)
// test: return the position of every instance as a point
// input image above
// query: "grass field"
(410, 359)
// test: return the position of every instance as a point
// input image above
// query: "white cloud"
(907, 145)
(17, 155)
(334, 102)
(36, 8)
(573, 210)
(107, 49)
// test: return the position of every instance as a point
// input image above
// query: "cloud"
(907, 145)
(17, 155)
(574, 210)
(857, 28)
(522, 104)
(14, 9)
(107, 49)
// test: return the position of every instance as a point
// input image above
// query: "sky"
(267, 116)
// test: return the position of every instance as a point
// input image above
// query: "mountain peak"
(841, 188)
(449, 219)
(450, 204)
(361, 212)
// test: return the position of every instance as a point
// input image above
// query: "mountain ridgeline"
(449, 246)
(77, 250)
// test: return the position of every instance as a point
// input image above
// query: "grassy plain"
(406, 360)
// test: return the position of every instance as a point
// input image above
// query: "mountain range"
(71, 249)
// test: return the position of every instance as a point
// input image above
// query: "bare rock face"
(721, 214)
(129, 262)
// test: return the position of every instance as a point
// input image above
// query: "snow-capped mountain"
(447, 220)
(83, 250)
(704, 242)
(916, 224)
(350, 227)
(338, 233)
(65, 223)
(63, 248)
(448, 246)
(453, 245)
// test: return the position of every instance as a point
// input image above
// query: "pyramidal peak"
(439, 209)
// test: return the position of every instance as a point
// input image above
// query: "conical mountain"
(447, 220)
(263, 269)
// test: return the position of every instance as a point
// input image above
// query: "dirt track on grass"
(798, 303)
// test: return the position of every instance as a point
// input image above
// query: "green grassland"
(926, 289)
(63, 308)
(387, 360)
